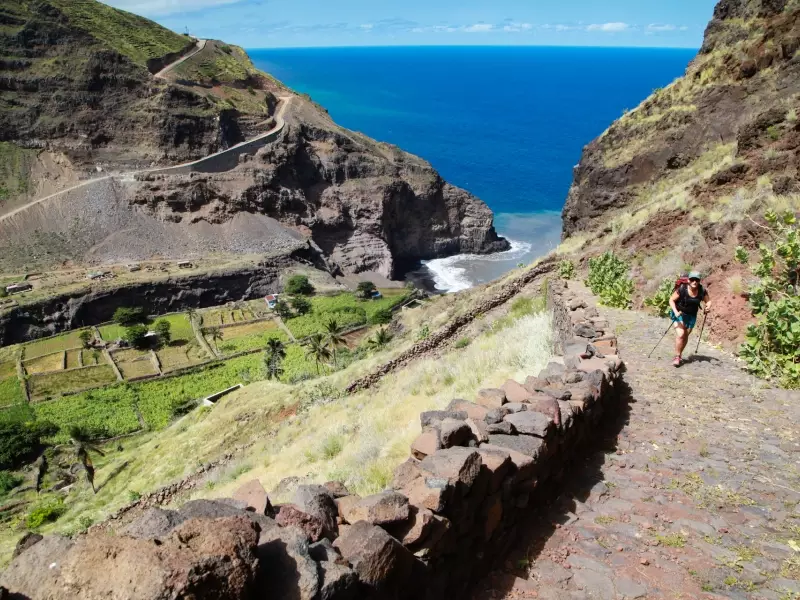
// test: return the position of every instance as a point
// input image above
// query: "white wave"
(450, 276)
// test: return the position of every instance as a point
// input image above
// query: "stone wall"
(475, 471)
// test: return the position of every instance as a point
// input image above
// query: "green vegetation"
(129, 316)
(46, 511)
(462, 343)
(660, 300)
(252, 336)
(136, 336)
(365, 289)
(163, 329)
(300, 305)
(135, 37)
(112, 333)
(218, 63)
(299, 285)
(51, 385)
(381, 339)
(772, 345)
(101, 413)
(180, 355)
(382, 316)
(348, 311)
(85, 337)
(273, 359)
(56, 343)
(8, 481)
(15, 165)
(608, 279)
(10, 391)
(20, 436)
(566, 269)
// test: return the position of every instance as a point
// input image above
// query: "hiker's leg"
(684, 340)
(681, 338)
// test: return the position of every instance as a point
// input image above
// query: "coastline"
(532, 235)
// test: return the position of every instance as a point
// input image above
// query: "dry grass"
(44, 364)
(371, 431)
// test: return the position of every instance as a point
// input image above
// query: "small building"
(16, 288)
(185, 264)
(132, 268)
(271, 300)
(95, 275)
(376, 295)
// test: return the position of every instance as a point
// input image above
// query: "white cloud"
(367, 26)
(150, 8)
(479, 28)
(609, 27)
(517, 27)
(561, 27)
(657, 27)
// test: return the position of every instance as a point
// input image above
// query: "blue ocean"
(506, 123)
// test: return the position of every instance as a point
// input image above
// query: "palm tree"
(317, 349)
(82, 446)
(380, 339)
(215, 333)
(333, 336)
(191, 313)
(273, 357)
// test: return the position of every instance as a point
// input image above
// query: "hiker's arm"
(707, 302)
(672, 300)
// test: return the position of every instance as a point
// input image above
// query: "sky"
(310, 23)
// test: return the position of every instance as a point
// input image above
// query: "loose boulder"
(317, 501)
(379, 509)
(491, 398)
(254, 496)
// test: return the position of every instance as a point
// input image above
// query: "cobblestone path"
(696, 494)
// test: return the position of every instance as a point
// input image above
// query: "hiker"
(685, 304)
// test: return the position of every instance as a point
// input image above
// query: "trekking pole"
(700, 337)
(671, 323)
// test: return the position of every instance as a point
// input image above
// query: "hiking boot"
(677, 361)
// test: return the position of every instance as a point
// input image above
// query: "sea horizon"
(506, 123)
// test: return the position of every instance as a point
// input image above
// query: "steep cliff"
(680, 180)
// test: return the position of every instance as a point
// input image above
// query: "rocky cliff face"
(673, 182)
(83, 89)
(369, 206)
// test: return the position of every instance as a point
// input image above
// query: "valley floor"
(694, 493)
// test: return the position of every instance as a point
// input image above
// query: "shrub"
(774, 133)
(608, 279)
(86, 338)
(660, 300)
(365, 289)
(250, 90)
(301, 305)
(20, 440)
(424, 333)
(462, 342)
(129, 316)
(772, 345)
(3, 292)
(8, 481)
(566, 269)
(332, 446)
(45, 512)
(164, 331)
(299, 285)
(135, 335)
(381, 317)
(282, 309)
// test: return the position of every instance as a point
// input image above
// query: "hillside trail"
(692, 492)
(199, 48)
(279, 124)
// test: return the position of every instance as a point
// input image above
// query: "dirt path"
(279, 124)
(200, 45)
(694, 493)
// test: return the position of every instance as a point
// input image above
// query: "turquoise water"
(506, 123)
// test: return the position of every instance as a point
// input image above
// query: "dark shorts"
(688, 321)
